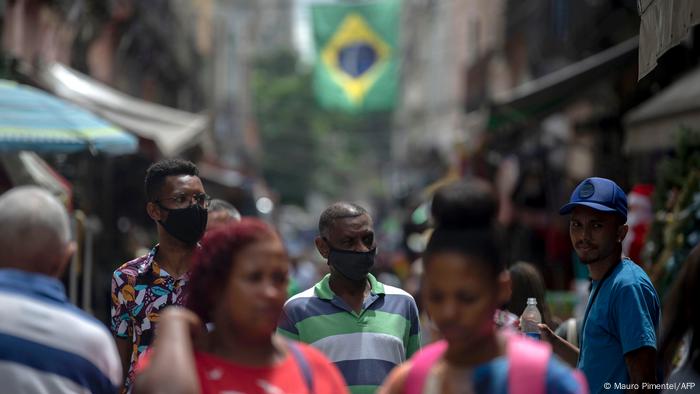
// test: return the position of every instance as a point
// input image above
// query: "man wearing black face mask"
(141, 288)
(365, 327)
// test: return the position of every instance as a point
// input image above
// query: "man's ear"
(322, 247)
(622, 232)
(505, 289)
(64, 259)
(153, 211)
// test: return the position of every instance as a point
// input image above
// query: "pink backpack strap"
(527, 365)
(421, 363)
(581, 380)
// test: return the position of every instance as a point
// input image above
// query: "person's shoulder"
(399, 301)
(72, 331)
(562, 379)
(87, 328)
(395, 291)
(631, 271)
(300, 299)
(135, 267)
(632, 275)
(67, 317)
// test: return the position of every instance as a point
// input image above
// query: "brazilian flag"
(357, 63)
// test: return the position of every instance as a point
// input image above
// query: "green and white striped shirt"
(365, 346)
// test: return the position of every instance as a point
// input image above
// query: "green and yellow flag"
(357, 65)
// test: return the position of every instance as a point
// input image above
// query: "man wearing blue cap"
(618, 334)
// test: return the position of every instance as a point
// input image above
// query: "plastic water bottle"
(530, 318)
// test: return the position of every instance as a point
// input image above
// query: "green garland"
(676, 227)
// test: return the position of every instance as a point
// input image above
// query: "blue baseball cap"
(600, 194)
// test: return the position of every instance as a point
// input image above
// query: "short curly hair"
(336, 211)
(157, 172)
(214, 260)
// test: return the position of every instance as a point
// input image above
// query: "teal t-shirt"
(623, 317)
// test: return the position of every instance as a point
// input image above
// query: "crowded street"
(349, 196)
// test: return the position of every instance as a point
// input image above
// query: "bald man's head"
(34, 231)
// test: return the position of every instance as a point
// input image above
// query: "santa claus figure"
(639, 218)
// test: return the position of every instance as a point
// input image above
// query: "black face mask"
(186, 224)
(353, 265)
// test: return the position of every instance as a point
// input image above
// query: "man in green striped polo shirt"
(365, 327)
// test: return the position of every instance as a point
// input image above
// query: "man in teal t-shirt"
(619, 330)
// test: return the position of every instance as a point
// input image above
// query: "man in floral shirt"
(141, 288)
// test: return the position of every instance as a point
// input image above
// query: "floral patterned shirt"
(140, 290)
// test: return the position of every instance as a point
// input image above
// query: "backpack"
(303, 365)
(527, 366)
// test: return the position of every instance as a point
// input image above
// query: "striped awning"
(33, 120)
(172, 130)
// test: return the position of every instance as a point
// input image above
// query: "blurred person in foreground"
(238, 283)
(472, 201)
(364, 326)
(221, 212)
(680, 338)
(464, 284)
(47, 345)
(141, 288)
(620, 325)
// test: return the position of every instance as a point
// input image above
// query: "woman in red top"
(238, 284)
